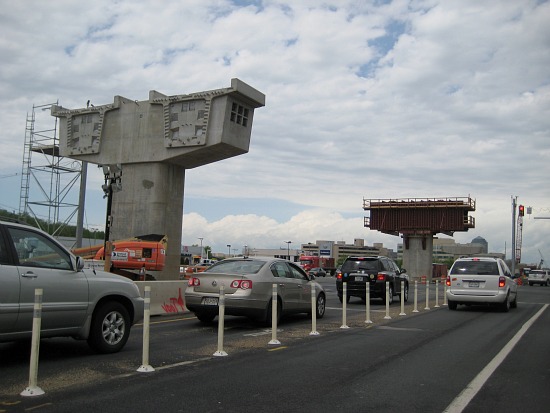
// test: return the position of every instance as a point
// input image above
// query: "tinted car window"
(475, 268)
(279, 269)
(4, 258)
(237, 267)
(297, 273)
(34, 250)
(358, 265)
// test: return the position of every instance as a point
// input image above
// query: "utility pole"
(513, 255)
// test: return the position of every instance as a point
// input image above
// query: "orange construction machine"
(130, 257)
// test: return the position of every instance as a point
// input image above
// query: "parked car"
(541, 277)
(317, 272)
(248, 289)
(81, 303)
(482, 280)
(357, 271)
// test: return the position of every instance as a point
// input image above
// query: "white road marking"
(469, 392)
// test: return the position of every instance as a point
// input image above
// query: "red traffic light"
(521, 210)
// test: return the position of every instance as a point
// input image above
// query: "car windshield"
(475, 268)
(367, 265)
(236, 267)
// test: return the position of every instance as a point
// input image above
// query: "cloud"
(363, 100)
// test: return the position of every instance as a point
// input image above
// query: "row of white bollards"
(34, 390)
(387, 300)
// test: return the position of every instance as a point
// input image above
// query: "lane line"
(469, 392)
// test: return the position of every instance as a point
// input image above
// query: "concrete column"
(151, 202)
(417, 258)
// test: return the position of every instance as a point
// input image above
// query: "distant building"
(445, 249)
(339, 249)
(325, 248)
(483, 242)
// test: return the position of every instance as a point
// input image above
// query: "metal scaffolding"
(47, 178)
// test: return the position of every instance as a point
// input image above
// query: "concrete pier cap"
(418, 220)
(154, 142)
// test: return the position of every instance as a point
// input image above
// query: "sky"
(364, 100)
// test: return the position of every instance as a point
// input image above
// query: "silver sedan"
(248, 289)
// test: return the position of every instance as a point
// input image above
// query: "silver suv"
(85, 304)
(481, 281)
(541, 277)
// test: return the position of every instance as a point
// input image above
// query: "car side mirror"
(79, 263)
(403, 270)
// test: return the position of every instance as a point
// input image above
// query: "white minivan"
(481, 280)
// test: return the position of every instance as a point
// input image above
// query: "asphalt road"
(418, 362)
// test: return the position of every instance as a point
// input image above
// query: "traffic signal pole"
(513, 254)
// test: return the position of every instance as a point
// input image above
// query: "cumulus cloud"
(363, 99)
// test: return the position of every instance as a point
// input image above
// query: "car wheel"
(205, 317)
(110, 328)
(530, 284)
(390, 296)
(505, 306)
(514, 304)
(452, 305)
(406, 292)
(320, 305)
(268, 316)
(341, 298)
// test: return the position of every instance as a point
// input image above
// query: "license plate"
(210, 301)
(358, 278)
(473, 284)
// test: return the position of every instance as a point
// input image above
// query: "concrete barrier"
(167, 297)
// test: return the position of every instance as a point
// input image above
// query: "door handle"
(29, 274)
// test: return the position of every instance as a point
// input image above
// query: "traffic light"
(521, 210)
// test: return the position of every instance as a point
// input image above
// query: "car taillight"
(242, 284)
(448, 282)
(381, 277)
(501, 282)
(339, 276)
(194, 282)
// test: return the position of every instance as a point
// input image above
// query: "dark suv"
(357, 271)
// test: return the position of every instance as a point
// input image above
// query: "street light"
(201, 249)
(229, 250)
(288, 248)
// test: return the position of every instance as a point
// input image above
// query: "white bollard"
(387, 317)
(274, 340)
(427, 295)
(402, 298)
(367, 303)
(415, 296)
(33, 389)
(221, 323)
(314, 331)
(344, 302)
(436, 294)
(145, 366)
